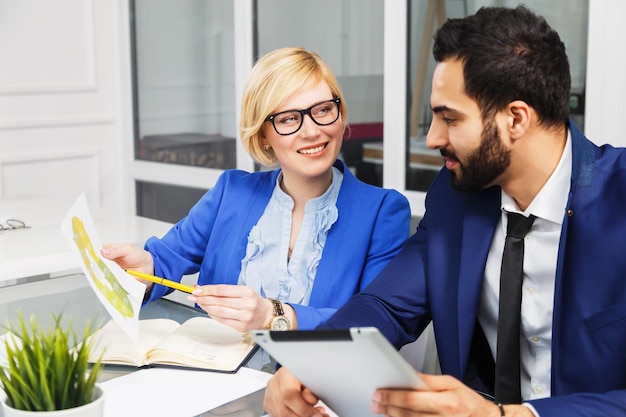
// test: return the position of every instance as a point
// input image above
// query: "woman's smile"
(313, 149)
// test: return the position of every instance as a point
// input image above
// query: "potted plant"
(48, 370)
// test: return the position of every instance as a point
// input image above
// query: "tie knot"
(518, 225)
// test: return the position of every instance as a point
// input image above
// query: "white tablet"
(342, 367)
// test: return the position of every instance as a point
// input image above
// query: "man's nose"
(437, 136)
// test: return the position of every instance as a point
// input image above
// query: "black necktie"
(507, 387)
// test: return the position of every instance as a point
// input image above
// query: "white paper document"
(166, 392)
(13, 341)
(120, 293)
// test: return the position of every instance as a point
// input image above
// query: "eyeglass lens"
(290, 121)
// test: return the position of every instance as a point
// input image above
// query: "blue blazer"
(439, 274)
(372, 226)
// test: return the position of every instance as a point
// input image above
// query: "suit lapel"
(480, 220)
(337, 236)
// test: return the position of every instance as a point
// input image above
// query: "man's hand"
(447, 397)
(286, 397)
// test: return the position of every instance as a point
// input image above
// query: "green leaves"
(50, 370)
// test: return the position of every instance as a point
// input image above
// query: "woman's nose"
(309, 127)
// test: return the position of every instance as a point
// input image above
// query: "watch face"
(280, 323)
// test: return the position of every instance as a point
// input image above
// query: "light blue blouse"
(265, 267)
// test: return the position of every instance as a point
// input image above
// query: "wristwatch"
(279, 321)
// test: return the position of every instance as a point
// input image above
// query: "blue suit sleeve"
(180, 251)
(583, 405)
(387, 236)
(395, 302)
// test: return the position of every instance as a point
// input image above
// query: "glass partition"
(348, 35)
(184, 82)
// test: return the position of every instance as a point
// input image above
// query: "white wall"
(60, 110)
(606, 73)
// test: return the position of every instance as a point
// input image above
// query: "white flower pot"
(93, 409)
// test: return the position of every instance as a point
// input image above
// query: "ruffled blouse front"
(266, 267)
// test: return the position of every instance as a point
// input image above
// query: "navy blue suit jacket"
(439, 274)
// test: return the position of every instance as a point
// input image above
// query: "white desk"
(41, 249)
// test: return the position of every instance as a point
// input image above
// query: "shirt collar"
(315, 204)
(550, 202)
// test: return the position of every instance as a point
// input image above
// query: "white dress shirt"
(540, 257)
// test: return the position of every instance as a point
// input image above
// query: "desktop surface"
(41, 249)
(73, 296)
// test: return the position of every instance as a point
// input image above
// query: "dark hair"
(509, 54)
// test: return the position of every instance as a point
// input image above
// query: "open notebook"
(199, 343)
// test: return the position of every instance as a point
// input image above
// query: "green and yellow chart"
(120, 293)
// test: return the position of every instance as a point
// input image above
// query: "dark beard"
(483, 165)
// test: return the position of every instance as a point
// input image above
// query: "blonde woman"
(285, 248)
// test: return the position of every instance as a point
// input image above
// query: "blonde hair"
(276, 77)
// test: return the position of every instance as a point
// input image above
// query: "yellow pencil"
(158, 280)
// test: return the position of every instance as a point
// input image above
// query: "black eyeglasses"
(12, 224)
(289, 122)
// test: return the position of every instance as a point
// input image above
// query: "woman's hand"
(128, 256)
(237, 306)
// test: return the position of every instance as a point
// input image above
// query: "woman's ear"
(519, 115)
(262, 139)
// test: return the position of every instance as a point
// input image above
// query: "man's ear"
(519, 115)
